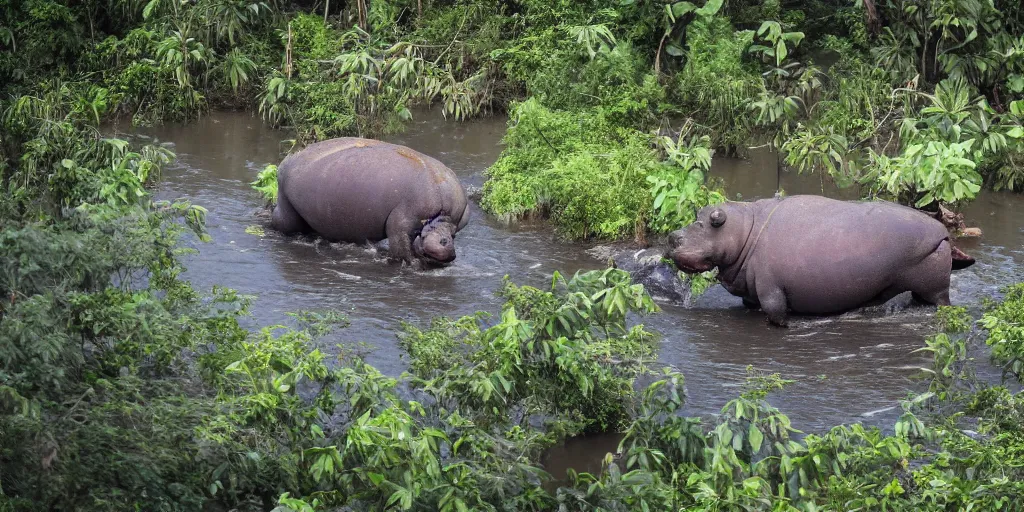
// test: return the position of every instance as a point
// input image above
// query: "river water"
(850, 368)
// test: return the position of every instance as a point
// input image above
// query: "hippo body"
(361, 190)
(818, 256)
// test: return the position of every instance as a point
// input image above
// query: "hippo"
(361, 190)
(813, 255)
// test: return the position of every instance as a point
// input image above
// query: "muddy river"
(851, 368)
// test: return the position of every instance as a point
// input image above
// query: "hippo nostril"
(445, 242)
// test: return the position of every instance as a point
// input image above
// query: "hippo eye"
(717, 218)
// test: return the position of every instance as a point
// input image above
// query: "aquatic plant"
(1005, 335)
(266, 184)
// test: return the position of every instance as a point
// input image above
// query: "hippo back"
(346, 188)
(829, 255)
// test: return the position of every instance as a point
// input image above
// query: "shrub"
(576, 165)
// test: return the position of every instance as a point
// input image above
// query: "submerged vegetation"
(123, 387)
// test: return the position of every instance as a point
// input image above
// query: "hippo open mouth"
(695, 269)
(690, 266)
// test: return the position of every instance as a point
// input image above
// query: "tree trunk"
(871, 13)
(657, 56)
(288, 54)
(361, 10)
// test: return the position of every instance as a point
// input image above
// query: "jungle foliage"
(914, 102)
(122, 387)
(150, 396)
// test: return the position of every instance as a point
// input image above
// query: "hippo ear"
(717, 218)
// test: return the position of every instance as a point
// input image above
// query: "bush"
(578, 166)
(617, 83)
(122, 387)
(266, 184)
(716, 86)
(1005, 334)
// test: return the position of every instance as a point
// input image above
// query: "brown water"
(850, 368)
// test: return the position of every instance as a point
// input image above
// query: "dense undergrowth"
(915, 103)
(610, 102)
(122, 387)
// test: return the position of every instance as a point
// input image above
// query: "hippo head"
(714, 239)
(436, 241)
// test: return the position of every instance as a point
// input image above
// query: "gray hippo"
(818, 256)
(359, 190)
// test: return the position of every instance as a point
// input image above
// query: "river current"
(850, 368)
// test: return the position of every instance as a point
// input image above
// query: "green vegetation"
(919, 104)
(593, 178)
(927, 105)
(169, 404)
(266, 183)
(956, 447)
(122, 387)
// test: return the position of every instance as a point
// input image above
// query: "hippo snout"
(436, 242)
(441, 257)
(438, 249)
(691, 252)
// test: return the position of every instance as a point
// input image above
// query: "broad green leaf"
(397, 495)
(710, 9)
(756, 437)
(1016, 83)
(681, 8)
(149, 9)
(660, 199)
